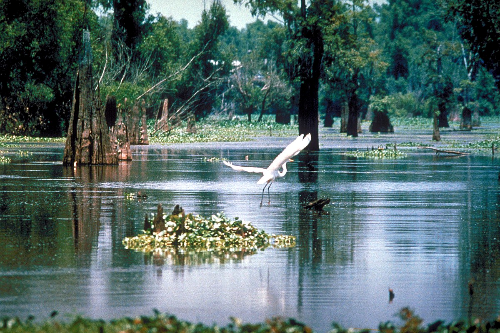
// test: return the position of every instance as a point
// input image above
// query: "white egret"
(272, 172)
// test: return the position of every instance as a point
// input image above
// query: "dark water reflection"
(423, 226)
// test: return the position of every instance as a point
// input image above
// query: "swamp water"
(424, 226)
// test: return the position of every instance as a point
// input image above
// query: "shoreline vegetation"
(160, 322)
(218, 129)
(410, 136)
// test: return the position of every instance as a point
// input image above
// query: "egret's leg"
(269, 195)
(262, 197)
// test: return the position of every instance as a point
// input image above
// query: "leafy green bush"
(398, 105)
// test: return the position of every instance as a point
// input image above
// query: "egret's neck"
(283, 173)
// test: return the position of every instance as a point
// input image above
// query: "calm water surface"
(423, 226)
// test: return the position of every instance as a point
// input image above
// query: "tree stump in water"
(133, 123)
(143, 137)
(159, 221)
(88, 140)
(381, 123)
(466, 121)
(122, 142)
(191, 125)
(328, 121)
(162, 117)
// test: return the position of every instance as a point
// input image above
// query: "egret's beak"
(290, 160)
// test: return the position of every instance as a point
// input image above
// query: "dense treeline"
(403, 58)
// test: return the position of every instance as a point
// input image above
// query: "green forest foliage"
(414, 56)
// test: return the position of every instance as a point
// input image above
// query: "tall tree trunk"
(352, 120)
(263, 107)
(249, 111)
(309, 87)
(353, 103)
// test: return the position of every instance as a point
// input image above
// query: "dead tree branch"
(182, 69)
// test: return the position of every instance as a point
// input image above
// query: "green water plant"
(188, 232)
(160, 322)
(9, 139)
(217, 129)
(378, 153)
(4, 159)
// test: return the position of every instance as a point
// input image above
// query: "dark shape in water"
(159, 222)
(147, 224)
(318, 204)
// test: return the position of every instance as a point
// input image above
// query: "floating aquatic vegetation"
(490, 144)
(218, 129)
(412, 144)
(378, 153)
(11, 139)
(4, 160)
(192, 232)
(163, 322)
(214, 159)
(24, 153)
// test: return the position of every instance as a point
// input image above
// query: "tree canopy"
(323, 57)
(478, 24)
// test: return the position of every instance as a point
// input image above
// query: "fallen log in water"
(453, 152)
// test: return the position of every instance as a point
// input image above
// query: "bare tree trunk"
(436, 136)
(88, 140)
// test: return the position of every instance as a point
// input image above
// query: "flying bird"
(273, 170)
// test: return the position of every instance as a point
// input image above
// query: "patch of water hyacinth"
(378, 153)
(192, 232)
(5, 160)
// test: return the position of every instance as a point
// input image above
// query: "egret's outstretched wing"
(305, 141)
(242, 168)
(290, 151)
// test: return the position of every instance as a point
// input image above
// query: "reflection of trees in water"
(91, 207)
(480, 236)
(323, 238)
(29, 227)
